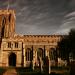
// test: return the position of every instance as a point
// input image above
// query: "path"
(10, 72)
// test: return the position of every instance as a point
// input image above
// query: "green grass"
(2, 70)
(29, 71)
(24, 70)
(60, 68)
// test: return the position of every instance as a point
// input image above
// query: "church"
(22, 50)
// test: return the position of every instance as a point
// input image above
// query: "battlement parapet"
(7, 11)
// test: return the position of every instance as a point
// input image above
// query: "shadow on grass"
(28, 71)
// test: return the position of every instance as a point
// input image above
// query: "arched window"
(29, 54)
(52, 53)
(40, 53)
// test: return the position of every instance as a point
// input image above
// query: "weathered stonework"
(24, 49)
(7, 22)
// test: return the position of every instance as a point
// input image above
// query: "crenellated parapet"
(7, 12)
(51, 40)
(42, 38)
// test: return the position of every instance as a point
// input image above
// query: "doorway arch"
(12, 59)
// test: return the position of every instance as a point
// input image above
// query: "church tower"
(7, 23)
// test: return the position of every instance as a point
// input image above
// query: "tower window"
(9, 44)
(16, 45)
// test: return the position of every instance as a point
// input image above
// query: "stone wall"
(31, 42)
(7, 23)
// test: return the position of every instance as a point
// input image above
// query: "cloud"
(42, 16)
(68, 23)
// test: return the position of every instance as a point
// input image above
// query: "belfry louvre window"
(16, 45)
(9, 44)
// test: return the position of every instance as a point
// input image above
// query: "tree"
(67, 45)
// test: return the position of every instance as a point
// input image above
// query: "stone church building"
(22, 50)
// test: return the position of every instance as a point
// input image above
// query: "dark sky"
(42, 16)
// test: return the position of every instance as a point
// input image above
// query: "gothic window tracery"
(29, 54)
(40, 53)
(52, 54)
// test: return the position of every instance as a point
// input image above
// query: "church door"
(12, 59)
